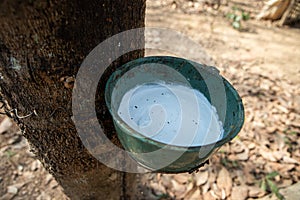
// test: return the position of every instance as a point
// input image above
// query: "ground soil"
(262, 61)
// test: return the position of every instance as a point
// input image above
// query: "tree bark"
(42, 44)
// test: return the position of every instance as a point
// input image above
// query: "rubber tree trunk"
(42, 44)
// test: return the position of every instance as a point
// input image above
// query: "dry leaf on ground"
(5, 125)
(239, 193)
(201, 178)
(224, 181)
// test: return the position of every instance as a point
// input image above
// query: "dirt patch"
(21, 175)
(267, 47)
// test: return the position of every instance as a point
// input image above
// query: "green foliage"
(10, 154)
(267, 184)
(230, 163)
(163, 196)
(236, 16)
(292, 133)
(272, 175)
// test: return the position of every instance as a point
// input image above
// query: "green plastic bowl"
(158, 156)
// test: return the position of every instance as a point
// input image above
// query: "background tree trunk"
(42, 44)
(274, 9)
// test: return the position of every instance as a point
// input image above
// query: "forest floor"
(261, 60)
